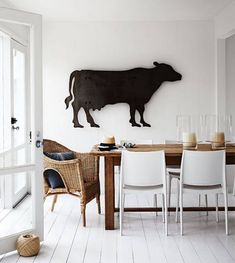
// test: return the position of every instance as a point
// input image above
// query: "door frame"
(34, 22)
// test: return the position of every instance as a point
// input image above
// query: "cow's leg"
(76, 109)
(141, 111)
(132, 119)
(90, 118)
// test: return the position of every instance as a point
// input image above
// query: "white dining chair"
(174, 173)
(143, 172)
(133, 141)
(203, 172)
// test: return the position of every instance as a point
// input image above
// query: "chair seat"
(202, 187)
(142, 188)
(57, 191)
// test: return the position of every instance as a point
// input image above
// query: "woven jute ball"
(28, 245)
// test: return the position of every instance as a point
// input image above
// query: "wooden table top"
(170, 149)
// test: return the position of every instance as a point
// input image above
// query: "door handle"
(39, 143)
(15, 128)
(13, 120)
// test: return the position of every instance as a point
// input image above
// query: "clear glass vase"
(218, 123)
(183, 124)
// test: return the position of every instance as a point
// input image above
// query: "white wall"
(230, 91)
(188, 46)
(4, 3)
(230, 75)
(224, 28)
(224, 31)
(225, 21)
(225, 60)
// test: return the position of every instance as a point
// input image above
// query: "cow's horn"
(155, 63)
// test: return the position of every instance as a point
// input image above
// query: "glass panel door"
(1, 124)
(21, 182)
(20, 120)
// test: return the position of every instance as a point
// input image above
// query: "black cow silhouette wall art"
(94, 89)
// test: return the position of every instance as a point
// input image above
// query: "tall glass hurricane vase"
(210, 126)
(183, 124)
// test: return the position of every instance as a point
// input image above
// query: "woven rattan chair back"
(80, 176)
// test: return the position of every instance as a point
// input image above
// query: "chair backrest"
(53, 146)
(143, 168)
(203, 168)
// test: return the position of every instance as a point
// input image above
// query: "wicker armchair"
(80, 176)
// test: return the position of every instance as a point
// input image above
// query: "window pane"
(19, 97)
(5, 103)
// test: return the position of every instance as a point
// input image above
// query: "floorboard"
(144, 240)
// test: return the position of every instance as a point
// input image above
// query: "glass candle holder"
(218, 139)
(210, 126)
(189, 139)
(183, 124)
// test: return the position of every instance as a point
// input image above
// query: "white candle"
(189, 139)
(218, 139)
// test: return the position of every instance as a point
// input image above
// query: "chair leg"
(216, 208)
(155, 202)
(206, 203)
(169, 192)
(177, 202)
(121, 212)
(181, 212)
(83, 212)
(163, 209)
(226, 211)
(53, 203)
(118, 192)
(98, 203)
(166, 215)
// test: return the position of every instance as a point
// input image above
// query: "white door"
(17, 186)
(21, 182)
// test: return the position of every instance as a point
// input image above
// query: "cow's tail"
(70, 97)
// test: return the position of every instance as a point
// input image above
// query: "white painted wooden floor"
(144, 241)
(17, 219)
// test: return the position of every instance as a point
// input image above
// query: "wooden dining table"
(173, 154)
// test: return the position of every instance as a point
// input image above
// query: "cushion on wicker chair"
(60, 156)
(53, 178)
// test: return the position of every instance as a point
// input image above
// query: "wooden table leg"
(109, 193)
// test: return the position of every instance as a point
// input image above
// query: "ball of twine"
(28, 245)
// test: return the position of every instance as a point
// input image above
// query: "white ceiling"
(143, 10)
